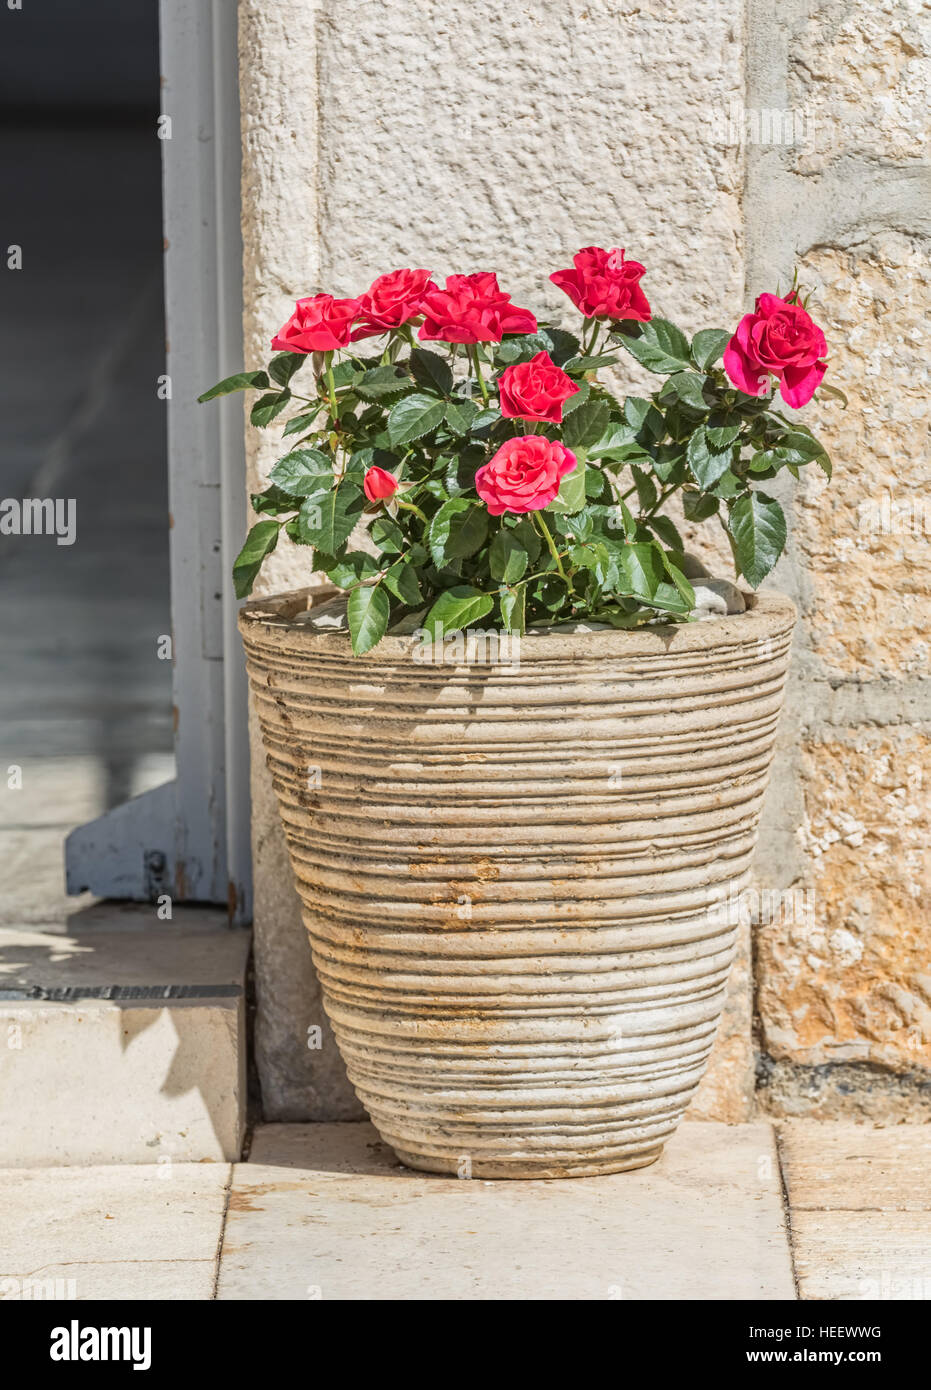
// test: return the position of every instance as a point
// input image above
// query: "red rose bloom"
(379, 485)
(318, 324)
(604, 285)
(391, 300)
(524, 475)
(535, 390)
(778, 338)
(472, 309)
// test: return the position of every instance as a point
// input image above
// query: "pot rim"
(769, 615)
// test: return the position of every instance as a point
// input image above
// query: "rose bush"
(491, 478)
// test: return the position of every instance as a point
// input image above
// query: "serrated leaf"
(431, 370)
(666, 531)
(382, 383)
(240, 381)
(368, 612)
(402, 580)
(706, 463)
(697, 506)
(643, 568)
(298, 424)
(413, 417)
(513, 604)
(586, 425)
(326, 521)
(660, 347)
(721, 436)
(708, 345)
(349, 569)
(571, 496)
(274, 500)
(757, 527)
(456, 609)
(507, 557)
(461, 415)
(303, 472)
(260, 542)
(267, 407)
(387, 535)
(688, 387)
(283, 367)
(457, 530)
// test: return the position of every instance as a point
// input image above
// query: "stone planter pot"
(520, 880)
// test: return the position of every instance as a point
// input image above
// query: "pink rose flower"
(779, 337)
(603, 285)
(472, 309)
(391, 300)
(535, 390)
(524, 475)
(378, 485)
(318, 324)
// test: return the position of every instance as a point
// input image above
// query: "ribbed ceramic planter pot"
(520, 880)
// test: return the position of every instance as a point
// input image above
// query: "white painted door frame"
(191, 838)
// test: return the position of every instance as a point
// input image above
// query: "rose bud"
(378, 485)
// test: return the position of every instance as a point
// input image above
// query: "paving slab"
(326, 1211)
(860, 1203)
(139, 1232)
(122, 1038)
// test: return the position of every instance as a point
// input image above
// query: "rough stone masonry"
(720, 145)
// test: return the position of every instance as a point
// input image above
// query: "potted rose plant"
(519, 781)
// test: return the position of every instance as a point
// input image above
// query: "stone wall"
(844, 962)
(498, 137)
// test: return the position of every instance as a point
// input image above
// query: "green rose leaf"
(260, 542)
(274, 500)
(758, 529)
(382, 383)
(413, 417)
(457, 609)
(688, 387)
(283, 367)
(721, 436)
(586, 425)
(458, 530)
(643, 568)
(514, 609)
(303, 472)
(298, 424)
(706, 462)
(431, 371)
(660, 347)
(402, 580)
(351, 569)
(387, 535)
(461, 415)
(241, 381)
(267, 407)
(507, 557)
(571, 496)
(697, 506)
(708, 345)
(327, 520)
(368, 612)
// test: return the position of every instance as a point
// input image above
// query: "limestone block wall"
(505, 137)
(844, 981)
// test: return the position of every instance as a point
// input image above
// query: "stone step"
(123, 1038)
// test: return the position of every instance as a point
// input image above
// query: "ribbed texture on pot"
(520, 882)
